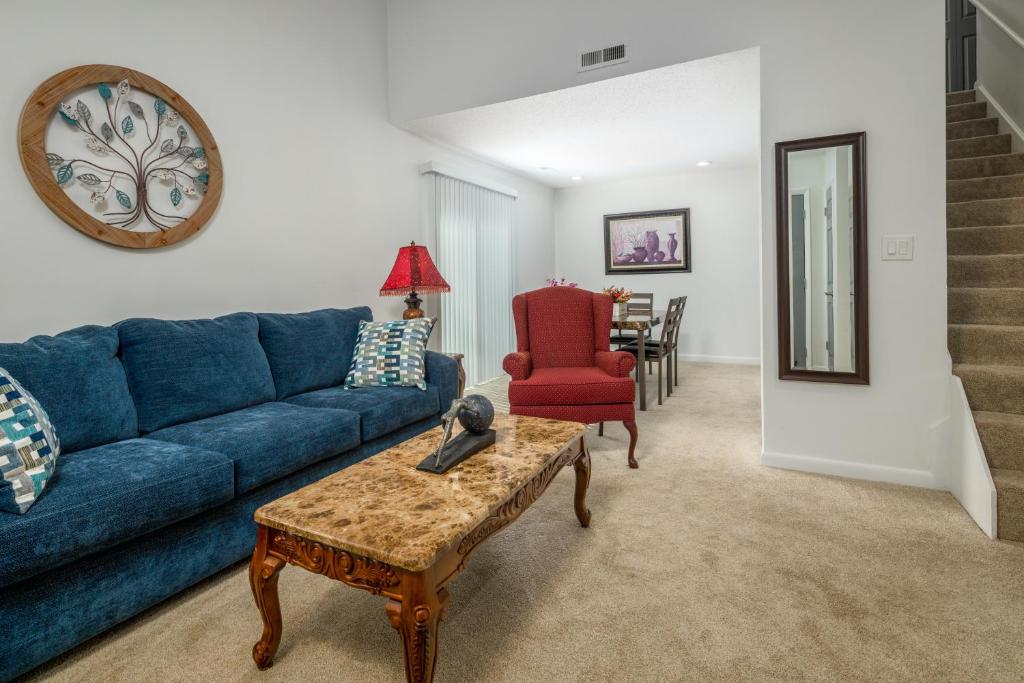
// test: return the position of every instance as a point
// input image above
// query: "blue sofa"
(172, 434)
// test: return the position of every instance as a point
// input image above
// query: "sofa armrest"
(518, 365)
(445, 372)
(615, 363)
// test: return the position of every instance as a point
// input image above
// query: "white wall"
(1000, 61)
(721, 321)
(826, 67)
(320, 189)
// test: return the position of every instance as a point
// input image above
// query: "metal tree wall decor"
(120, 156)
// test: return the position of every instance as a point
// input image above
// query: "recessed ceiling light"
(544, 168)
(703, 163)
(577, 177)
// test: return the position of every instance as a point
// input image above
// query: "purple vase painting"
(647, 242)
(652, 243)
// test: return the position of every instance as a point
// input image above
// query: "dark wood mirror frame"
(860, 254)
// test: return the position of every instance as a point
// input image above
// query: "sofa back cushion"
(310, 351)
(79, 381)
(185, 370)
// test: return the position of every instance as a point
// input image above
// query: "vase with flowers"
(619, 296)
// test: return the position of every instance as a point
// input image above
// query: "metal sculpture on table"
(475, 413)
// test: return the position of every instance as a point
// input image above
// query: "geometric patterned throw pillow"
(391, 354)
(28, 447)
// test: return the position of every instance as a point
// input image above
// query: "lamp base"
(413, 309)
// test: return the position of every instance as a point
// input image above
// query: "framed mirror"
(821, 226)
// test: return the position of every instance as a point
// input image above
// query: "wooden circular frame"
(39, 111)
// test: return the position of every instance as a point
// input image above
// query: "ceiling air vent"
(606, 56)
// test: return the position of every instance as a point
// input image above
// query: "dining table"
(641, 322)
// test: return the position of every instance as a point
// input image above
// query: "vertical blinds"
(474, 238)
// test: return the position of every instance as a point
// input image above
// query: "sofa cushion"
(268, 441)
(190, 369)
(391, 354)
(79, 380)
(570, 386)
(108, 495)
(309, 351)
(381, 409)
(28, 447)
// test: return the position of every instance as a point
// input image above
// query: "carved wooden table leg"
(582, 467)
(416, 618)
(263, 573)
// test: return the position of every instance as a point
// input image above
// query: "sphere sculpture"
(476, 414)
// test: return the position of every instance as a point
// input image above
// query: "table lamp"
(414, 272)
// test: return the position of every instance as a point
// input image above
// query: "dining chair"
(639, 304)
(664, 350)
(675, 347)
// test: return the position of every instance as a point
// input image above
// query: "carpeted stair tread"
(972, 129)
(985, 240)
(980, 212)
(1002, 435)
(1009, 503)
(993, 187)
(995, 270)
(984, 167)
(982, 146)
(960, 97)
(993, 388)
(986, 344)
(966, 111)
(986, 305)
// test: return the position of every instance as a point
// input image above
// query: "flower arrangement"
(619, 295)
(554, 282)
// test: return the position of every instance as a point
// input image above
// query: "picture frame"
(647, 242)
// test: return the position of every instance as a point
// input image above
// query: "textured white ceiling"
(658, 121)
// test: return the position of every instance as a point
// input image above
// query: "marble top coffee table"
(383, 526)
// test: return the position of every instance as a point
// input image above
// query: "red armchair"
(563, 368)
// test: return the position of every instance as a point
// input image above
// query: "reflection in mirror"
(821, 232)
(821, 266)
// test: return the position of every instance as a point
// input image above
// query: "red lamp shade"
(414, 271)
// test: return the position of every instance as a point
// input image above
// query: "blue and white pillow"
(391, 354)
(28, 447)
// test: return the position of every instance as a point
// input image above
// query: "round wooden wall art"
(120, 156)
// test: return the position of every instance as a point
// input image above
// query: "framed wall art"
(647, 242)
(120, 156)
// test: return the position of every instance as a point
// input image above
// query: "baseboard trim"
(1017, 131)
(852, 470)
(730, 360)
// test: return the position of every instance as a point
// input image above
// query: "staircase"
(985, 242)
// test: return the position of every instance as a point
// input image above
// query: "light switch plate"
(898, 248)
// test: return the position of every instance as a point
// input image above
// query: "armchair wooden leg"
(631, 428)
(675, 366)
(600, 429)
(668, 375)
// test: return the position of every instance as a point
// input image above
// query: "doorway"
(961, 45)
(799, 211)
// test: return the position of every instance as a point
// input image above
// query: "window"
(475, 254)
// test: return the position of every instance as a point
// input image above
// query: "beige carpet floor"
(701, 565)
